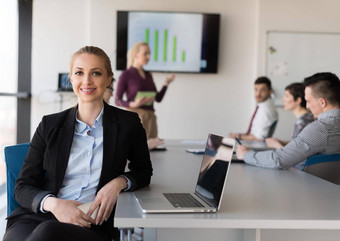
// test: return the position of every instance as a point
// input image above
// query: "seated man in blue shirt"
(322, 94)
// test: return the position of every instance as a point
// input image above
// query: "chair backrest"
(14, 158)
(325, 166)
(272, 129)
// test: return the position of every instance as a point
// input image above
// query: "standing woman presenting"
(135, 79)
(79, 156)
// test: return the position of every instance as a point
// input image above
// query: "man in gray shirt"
(322, 94)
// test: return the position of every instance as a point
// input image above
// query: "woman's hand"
(67, 211)
(168, 80)
(274, 143)
(154, 142)
(106, 199)
(141, 101)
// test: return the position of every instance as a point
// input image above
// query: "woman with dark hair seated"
(294, 100)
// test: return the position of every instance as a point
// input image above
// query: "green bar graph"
(165, 45)
(156, 46)
(147, 36)
(174, 40)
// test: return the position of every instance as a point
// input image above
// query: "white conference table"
(254, 199)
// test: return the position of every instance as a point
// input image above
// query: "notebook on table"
(211, 182)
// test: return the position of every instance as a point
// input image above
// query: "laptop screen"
(214, 168)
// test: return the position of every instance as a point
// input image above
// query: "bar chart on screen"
(175, 42)
(172, 56)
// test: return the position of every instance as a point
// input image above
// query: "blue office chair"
(14, 158)
(325, 166)
(272, 129)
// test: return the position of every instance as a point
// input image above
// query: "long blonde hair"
(132, 52)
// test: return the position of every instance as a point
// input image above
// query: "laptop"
(211, 181)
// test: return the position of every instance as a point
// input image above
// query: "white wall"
(293, 15)
(59, 28)
(195, 104)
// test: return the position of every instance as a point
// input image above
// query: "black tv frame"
(210, 40)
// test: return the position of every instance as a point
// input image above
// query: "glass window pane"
(8, 83)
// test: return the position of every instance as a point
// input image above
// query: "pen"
(238, 141)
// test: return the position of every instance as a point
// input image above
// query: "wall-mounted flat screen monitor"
(179, 42)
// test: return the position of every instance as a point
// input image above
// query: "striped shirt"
(320, 136)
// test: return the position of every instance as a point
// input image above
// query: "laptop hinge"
(206, 200)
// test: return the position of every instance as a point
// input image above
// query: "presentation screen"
(179, 42)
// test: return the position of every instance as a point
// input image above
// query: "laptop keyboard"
(182, 200)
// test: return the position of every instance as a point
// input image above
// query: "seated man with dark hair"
(265, 113)
(322, 94)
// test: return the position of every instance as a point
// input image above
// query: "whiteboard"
(292, 56)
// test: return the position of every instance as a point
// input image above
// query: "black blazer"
(46, 161)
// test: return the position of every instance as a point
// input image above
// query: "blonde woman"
(79, 156)
(152, 142)
(135, 79)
